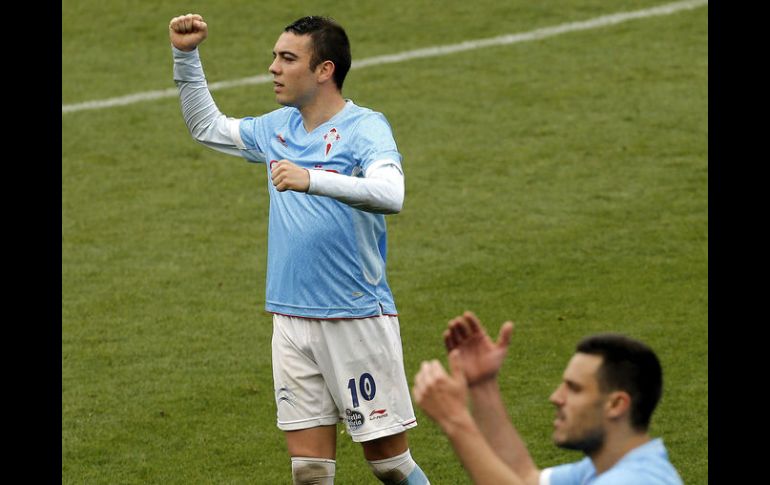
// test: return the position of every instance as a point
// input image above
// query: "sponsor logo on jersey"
(378, 414)
(320, 166)
(281, 140)
(355, 419)
(330, 138)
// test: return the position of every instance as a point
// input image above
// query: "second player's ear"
(618, 404)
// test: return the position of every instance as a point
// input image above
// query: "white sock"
(312, 471)
(395, 469)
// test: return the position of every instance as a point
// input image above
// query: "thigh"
(318, 442)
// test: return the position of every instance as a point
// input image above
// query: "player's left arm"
(380, 190)
(380, 186)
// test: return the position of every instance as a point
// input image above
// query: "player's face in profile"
(579, 423)
(294, 83)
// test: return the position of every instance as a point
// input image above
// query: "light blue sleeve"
(250, 130)
(374, 141)
(637, 472)
(647, 472)
(570, 473)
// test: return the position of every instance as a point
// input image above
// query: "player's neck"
(321, 109)
(615, 447)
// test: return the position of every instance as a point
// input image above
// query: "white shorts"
(352, 369)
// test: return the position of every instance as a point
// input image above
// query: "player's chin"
(284, 100)
(559, 436)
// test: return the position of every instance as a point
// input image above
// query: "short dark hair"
(627, 365)
(330, 43)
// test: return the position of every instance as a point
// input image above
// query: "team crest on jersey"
(330, 138)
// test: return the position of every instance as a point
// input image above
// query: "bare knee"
(386, 447)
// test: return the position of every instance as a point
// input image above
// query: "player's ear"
(618, 404)
(325, 71)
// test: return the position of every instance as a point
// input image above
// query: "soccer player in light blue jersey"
(604, 403)
(334, 172)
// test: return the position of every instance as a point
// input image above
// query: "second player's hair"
(330, 42)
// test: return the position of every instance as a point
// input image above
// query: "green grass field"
(561, 183)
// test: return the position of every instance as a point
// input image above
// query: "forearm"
(380, 191)
(477, 456)
(493, 421)
(206, 123)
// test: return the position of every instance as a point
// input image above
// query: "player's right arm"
(206, 123)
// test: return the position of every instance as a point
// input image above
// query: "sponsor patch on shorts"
(355, 419)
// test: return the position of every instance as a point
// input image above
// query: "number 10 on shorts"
(365, 384)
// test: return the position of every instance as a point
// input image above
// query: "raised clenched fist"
(187, 31)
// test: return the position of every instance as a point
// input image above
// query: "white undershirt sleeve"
(206, 123)
(381, 190)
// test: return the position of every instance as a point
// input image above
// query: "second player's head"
(611, 380)
(631, 366)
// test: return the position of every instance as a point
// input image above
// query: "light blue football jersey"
(645, 465)
(325, 259)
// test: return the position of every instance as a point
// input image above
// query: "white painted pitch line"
(435, 51)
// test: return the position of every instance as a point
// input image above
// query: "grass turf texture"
(561, 183)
